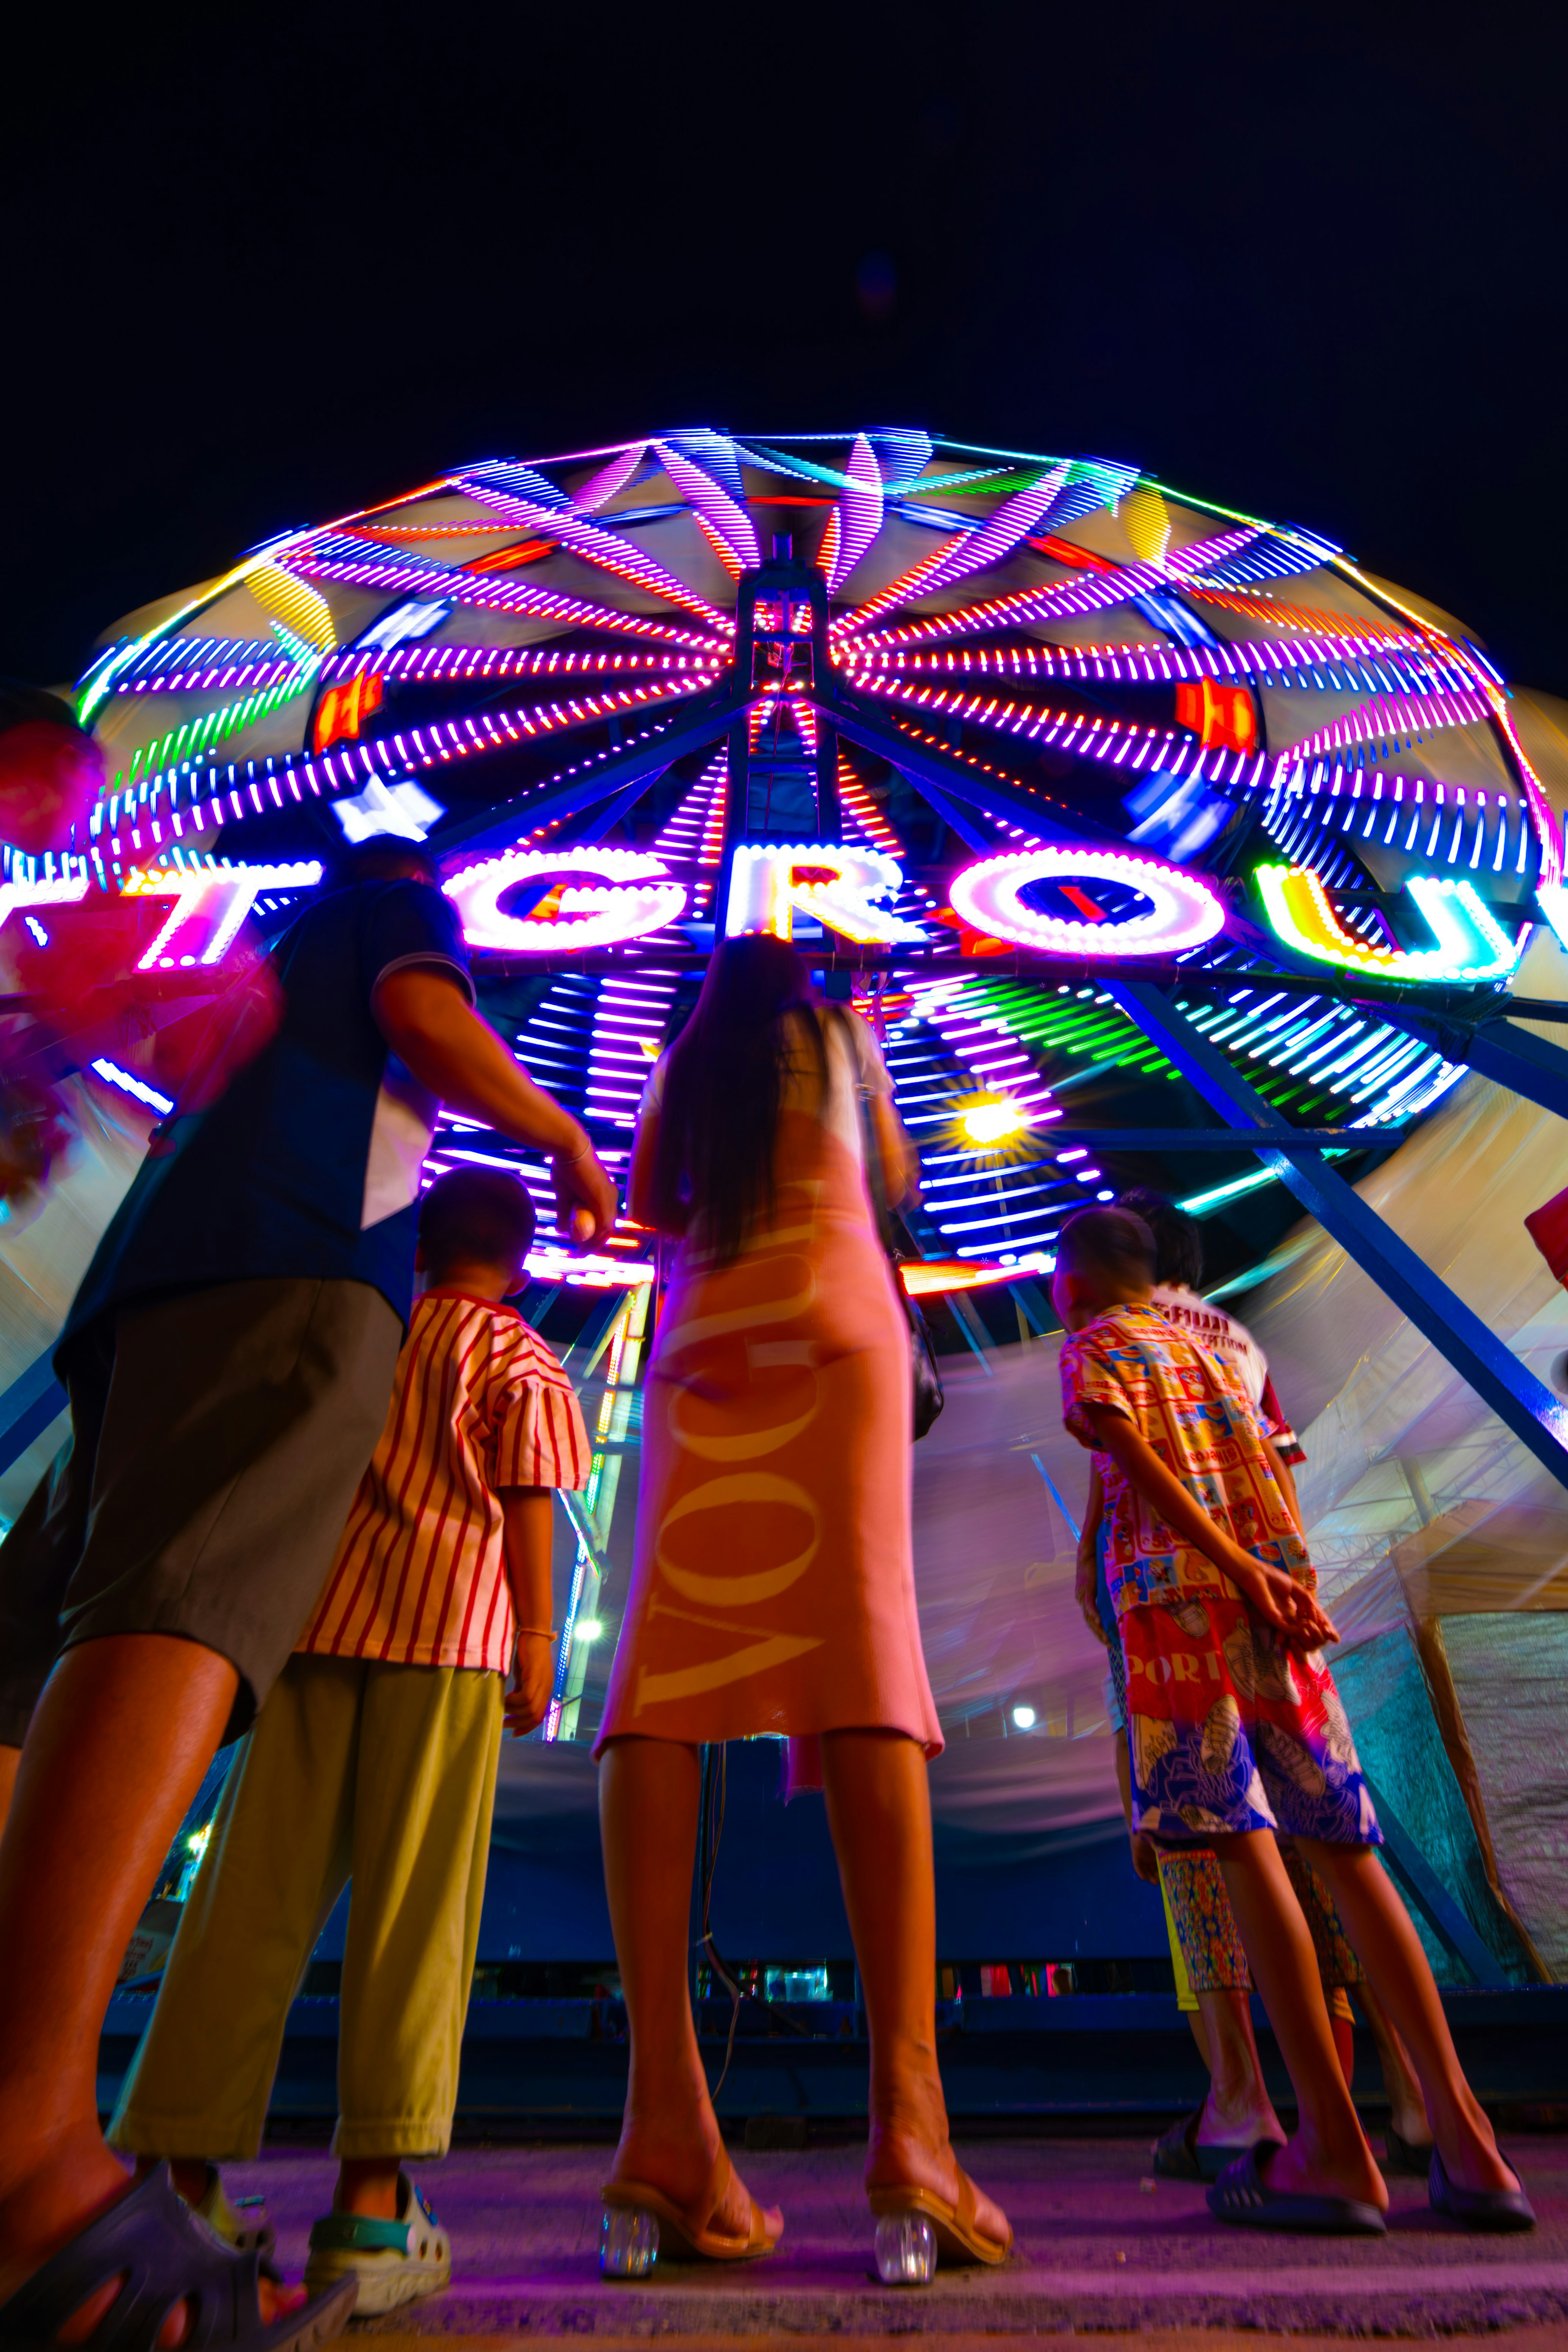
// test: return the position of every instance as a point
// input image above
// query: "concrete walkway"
(1100, 2248)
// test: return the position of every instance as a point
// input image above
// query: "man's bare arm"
(430, 1025)
(1287, 1605)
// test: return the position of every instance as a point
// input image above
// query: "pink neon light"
(1185, 910)
(996, 538)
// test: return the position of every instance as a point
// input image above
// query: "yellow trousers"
(384, 1775)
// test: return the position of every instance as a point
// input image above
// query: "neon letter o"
(1184, 913)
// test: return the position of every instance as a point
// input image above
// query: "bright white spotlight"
(992, 1122)
(589, 1630)
(1023, 1716)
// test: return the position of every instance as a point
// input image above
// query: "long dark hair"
(722, 1086)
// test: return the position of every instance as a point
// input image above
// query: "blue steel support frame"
(1498, 1049)
(1525, 1404)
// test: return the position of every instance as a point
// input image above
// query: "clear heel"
(628, 2243)
(906, 2249)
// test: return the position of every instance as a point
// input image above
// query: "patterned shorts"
(1206, 1934)
(1228, 1730)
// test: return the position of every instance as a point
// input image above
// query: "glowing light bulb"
(992, 1122)
(589, 1630)
(1023, 1716)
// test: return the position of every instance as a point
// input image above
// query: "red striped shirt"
(419, 1579)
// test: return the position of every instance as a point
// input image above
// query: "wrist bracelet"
(587, 1153)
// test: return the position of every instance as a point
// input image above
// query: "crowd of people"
(303, 1508)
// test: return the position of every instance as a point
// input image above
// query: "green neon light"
(195, 735)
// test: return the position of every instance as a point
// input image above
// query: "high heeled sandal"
(954, 2226)
(686, 2233)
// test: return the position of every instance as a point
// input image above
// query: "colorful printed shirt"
(419, 1579)
(1191, 1408)
(1224, 1336)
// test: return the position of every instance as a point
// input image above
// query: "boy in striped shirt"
(374, 1760)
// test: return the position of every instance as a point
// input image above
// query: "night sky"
(267, 264)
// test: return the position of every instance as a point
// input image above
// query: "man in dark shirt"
(229, 1357)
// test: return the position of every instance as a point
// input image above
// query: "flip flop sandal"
(1406, 2156)
(166, 2256)
(954, 2227)
(395, 2262)
(687, 2233)
(1180, 2155)
(1497, 2209)
(1241, 2194)
(241, 2223)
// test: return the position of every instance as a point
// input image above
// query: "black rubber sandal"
(1180, 2155)
(167, 2256)
(1242, 2195)
(1495, 2210)
(1408, 2157)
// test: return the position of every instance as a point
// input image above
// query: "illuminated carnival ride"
(1134, 823)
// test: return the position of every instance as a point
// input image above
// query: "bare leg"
(1328, 2154)
(9, 1759)
(1407, 2109)
(1238, 2111)
(1343, 2031)
(879, 1809)
(368, 2185)
(117, 1747)
(1390, 1951)
(648, 1794)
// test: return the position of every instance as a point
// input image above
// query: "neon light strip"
(1392, 716)
(1102, 738)
(335, 555)
(1416, 666)
(1471, 946)
(392, 757)
(1183, 912)
(128, 1085)
(597, 545)
(437, 663)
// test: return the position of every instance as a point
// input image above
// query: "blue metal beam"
(1498, 1049)
(27, 1407)
(1520, 1401)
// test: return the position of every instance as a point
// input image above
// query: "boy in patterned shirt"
(1236, 1731)
(374, 1759)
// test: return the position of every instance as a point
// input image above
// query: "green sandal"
(395, 2262)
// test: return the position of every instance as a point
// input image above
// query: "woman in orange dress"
(773, 1585)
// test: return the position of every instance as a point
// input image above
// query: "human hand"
(524, 1708)
(1145, 1857)
(1288, 1606)
(1085, 1592)
(585, 1204)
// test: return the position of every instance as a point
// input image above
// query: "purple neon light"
(1001, 533)
(1392, 715)
(1415, 665)
(697, 487)
(349, 767)
(593, 543)
(340, 555)
(601, 488)
(857, 517)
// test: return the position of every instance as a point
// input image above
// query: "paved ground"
(1098, 2249)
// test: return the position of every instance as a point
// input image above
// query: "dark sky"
(271, 263)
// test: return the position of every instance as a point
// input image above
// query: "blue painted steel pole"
(1520, 1401)
(1498, 1049)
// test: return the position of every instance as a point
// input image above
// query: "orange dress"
(772, 1578)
